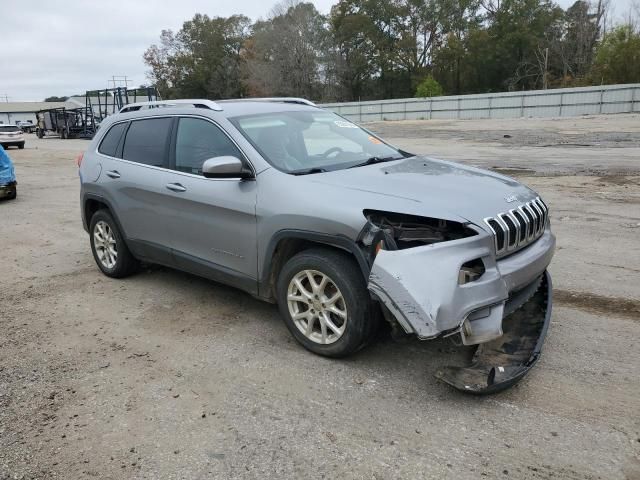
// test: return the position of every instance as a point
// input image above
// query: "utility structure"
(83, 122)
(108, 101)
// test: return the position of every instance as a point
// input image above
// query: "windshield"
(9, 129)
(312, 141)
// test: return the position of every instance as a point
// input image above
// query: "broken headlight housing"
(398, 231)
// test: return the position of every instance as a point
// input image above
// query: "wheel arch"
(287, 243)
(91, 203)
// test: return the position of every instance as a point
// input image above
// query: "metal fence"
(562, 102)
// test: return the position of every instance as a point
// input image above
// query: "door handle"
(176, 187)
(113, 174)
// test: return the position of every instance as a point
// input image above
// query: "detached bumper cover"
(500, 363)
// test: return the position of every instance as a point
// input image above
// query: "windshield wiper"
(373, 160)
(308, 171)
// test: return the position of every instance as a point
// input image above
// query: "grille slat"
(518, 227)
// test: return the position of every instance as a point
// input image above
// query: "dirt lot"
(168, 376)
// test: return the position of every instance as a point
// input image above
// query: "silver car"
(300, 207)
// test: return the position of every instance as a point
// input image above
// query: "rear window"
(9, 129)
(146, 141)
(109, 144)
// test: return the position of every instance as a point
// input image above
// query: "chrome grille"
(518, 227)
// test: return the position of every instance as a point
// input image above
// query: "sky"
(66, 47)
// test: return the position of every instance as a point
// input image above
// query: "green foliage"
(56, 99)
(202, 60)
(618, 57)
(429, 87)
(371, 49)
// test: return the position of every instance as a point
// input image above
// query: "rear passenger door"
(212, 222)
(136, 181)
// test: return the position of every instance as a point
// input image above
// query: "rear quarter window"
(109, 144)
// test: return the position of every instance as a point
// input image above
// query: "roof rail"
(301, 101)
(208, 104)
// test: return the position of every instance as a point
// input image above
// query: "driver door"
(211, 222)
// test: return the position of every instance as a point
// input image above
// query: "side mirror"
(225, 167)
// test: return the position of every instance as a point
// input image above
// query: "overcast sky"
(65, 47)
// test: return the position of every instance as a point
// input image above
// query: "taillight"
(79, 159)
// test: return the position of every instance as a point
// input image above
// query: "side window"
(198, 140)
(109, 144)
(146, 141)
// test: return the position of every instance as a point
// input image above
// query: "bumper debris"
(500, 363)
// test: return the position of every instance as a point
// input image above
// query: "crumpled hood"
(438, 186)
(7, 173)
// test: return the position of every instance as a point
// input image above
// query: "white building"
(11, 112)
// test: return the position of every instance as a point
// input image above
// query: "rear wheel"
(21, 145)
(109, 248)
(325, 304)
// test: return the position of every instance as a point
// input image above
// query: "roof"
(29, 107)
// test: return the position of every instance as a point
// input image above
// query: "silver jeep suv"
(300, 207)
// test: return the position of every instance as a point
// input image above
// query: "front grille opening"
(513, 231)
(523, 225)
(471, 271)
(532, 222)
(499, 234)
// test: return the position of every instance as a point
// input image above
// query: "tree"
(371, 49)
(285, 54)
(429, 87)
(583, 23)
(618, 57)
(202, 60)
(56, 99)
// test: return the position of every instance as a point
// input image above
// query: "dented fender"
(420, 285)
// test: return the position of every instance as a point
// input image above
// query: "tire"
(357, 321)
(124, 264)
(64, 134)
(14, 195)
(39, 133)
(21, 145)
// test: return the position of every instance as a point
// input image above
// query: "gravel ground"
(169, 376)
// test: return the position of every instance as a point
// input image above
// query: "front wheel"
(21, 145)
(109, 248)
(325, 304)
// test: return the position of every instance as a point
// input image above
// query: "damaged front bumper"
(421, 288)
(501, 363)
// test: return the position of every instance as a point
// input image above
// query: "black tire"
(39, 133)
(64, 134)
(14, 195)
(345, 273)
(125, 263)
(21, 145)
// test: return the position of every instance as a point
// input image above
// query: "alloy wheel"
(104, 242)
(317, 306)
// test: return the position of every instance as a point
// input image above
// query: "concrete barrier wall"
(562, 102)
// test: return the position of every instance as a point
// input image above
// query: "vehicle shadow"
(235, 316)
